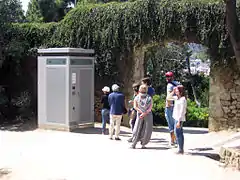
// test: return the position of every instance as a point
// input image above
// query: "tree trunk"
(233, 27)
(191, 82)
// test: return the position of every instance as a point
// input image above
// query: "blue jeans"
(169, 118)
(105, 119)
(179, 135)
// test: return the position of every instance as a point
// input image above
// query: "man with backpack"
(171, 83)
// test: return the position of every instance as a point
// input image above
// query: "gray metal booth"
(65, 88)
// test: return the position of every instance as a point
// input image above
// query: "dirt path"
(51, 155)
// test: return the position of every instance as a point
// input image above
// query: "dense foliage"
(47, 10)
(112, 27)
(10, 12)
(196, 117)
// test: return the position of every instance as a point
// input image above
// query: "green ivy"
(196, 117)
(118, 27)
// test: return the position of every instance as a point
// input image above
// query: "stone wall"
(230, 157)
(224, 97)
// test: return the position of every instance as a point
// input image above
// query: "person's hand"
(174, 89)
(178, 124)
(140, 112)
(142, 115)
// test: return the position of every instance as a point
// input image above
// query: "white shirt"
(180, 108)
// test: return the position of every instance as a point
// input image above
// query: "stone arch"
(224, 93)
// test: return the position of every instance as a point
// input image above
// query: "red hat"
(169, 74)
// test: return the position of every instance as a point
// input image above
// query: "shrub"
(196, 117)
(196, 113)
(158, 109)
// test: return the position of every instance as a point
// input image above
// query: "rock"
(231, 115)
(234, 111)
(234, 102)
(225, 96)
(232, 107)
(232, 90)
(237, 81)
(226, 110)
(237, 88)
(225, 103)
(234, 95)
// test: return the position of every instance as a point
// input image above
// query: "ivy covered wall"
(117, 27)
(116, 30)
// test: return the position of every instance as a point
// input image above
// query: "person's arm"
(135, 105)
(109, 100)
(124, 104)
(169, 88)
(170, 96)
(150, 107)
(102, 99)
(148, 110)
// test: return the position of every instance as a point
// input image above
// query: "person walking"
(105, 108)
(169, 107)
(144, 124)
(179, 114)
(117, 107)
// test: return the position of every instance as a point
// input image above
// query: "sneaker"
(132, 147)
(180, 152)
(143, 147)
(110, 138)
(117, 139)
(130, 140)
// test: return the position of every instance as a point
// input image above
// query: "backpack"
(174, 84)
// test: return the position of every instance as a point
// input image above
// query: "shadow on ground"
(186, 130)
(159, 140)
(31, 125)
(96, 130)
(205, 152)
(213, 156)
(4, 172)
(23, 126)
(155, 148)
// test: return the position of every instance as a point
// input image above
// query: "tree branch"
(233, 27)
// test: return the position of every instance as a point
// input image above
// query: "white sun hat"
(106, 89)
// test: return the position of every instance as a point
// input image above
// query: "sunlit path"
(52, 155)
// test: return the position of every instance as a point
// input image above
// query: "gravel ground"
(86, 154)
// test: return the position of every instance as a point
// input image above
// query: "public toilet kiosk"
(65, 88)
